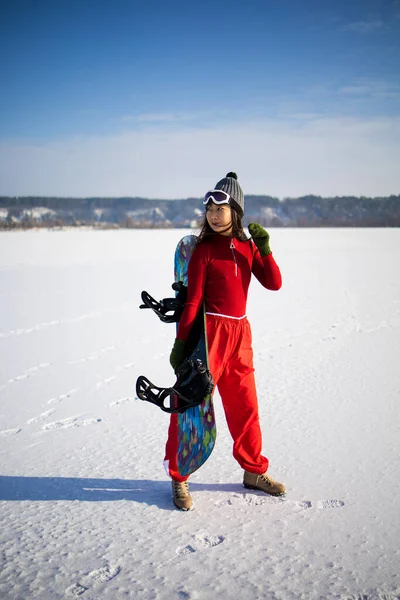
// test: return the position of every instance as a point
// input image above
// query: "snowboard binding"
(168, 310)
(194, 382)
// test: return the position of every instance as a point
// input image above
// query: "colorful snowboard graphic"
(196, 426)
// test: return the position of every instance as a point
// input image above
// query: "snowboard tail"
(190, 398)
(196, 426)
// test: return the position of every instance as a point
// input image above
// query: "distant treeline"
(305, 211)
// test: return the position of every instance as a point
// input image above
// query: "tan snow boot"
(263, 482)
(180, 493)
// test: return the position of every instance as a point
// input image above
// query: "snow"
(85, 505)
(38, 212)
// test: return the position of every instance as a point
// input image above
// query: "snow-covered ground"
(85, 505)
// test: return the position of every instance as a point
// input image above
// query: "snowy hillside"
(306, 211)
(85, 505)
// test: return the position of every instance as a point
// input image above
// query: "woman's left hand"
(261, 238)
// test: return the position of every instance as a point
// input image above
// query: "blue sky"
(161, 99)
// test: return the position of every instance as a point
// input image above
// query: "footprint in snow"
(41, 417)
(82, 360)
(27, 374)
(7, 432)
(257, 500)
(120, 401)
(254, 500)
(303, 504)
(75, 590)
(105, 382)
(204, 540)
(306, 504)
(127, 366)
(63, 424)
(249, 499)
(92, 356)
(100, 576)
(185, 550)
(41, 366)
(330, 503)
(319, 504)
(62, 396)
(159, 356)
(37, 327)
(105, 573)
(70, 422)
(209, 541)
(19, 377)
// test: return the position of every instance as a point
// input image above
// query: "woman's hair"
(237, 228)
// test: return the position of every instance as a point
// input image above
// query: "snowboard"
(196, 426)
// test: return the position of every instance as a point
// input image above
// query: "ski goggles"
(217, 196)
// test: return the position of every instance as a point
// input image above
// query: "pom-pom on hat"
(230, 185)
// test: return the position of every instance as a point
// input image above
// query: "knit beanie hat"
(230, 185)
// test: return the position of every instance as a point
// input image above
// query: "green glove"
(260, 238)
(177, 354)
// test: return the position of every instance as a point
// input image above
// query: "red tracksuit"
(219, 273)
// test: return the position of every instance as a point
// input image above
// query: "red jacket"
(219, 272)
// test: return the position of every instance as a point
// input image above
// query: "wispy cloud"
(152, 118)
(364, 27)
(371, 88)
(327, 156)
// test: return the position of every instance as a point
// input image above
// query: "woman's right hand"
(177, 354)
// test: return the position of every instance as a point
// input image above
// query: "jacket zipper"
(232, 247)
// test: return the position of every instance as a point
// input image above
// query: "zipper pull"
(232, 247)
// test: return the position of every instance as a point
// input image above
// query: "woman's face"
(219, 218)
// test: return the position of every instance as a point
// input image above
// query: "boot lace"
(181, 489)
(268, 480)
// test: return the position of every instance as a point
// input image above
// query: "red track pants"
(230, 358)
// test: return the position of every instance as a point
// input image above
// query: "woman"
(219, 274)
